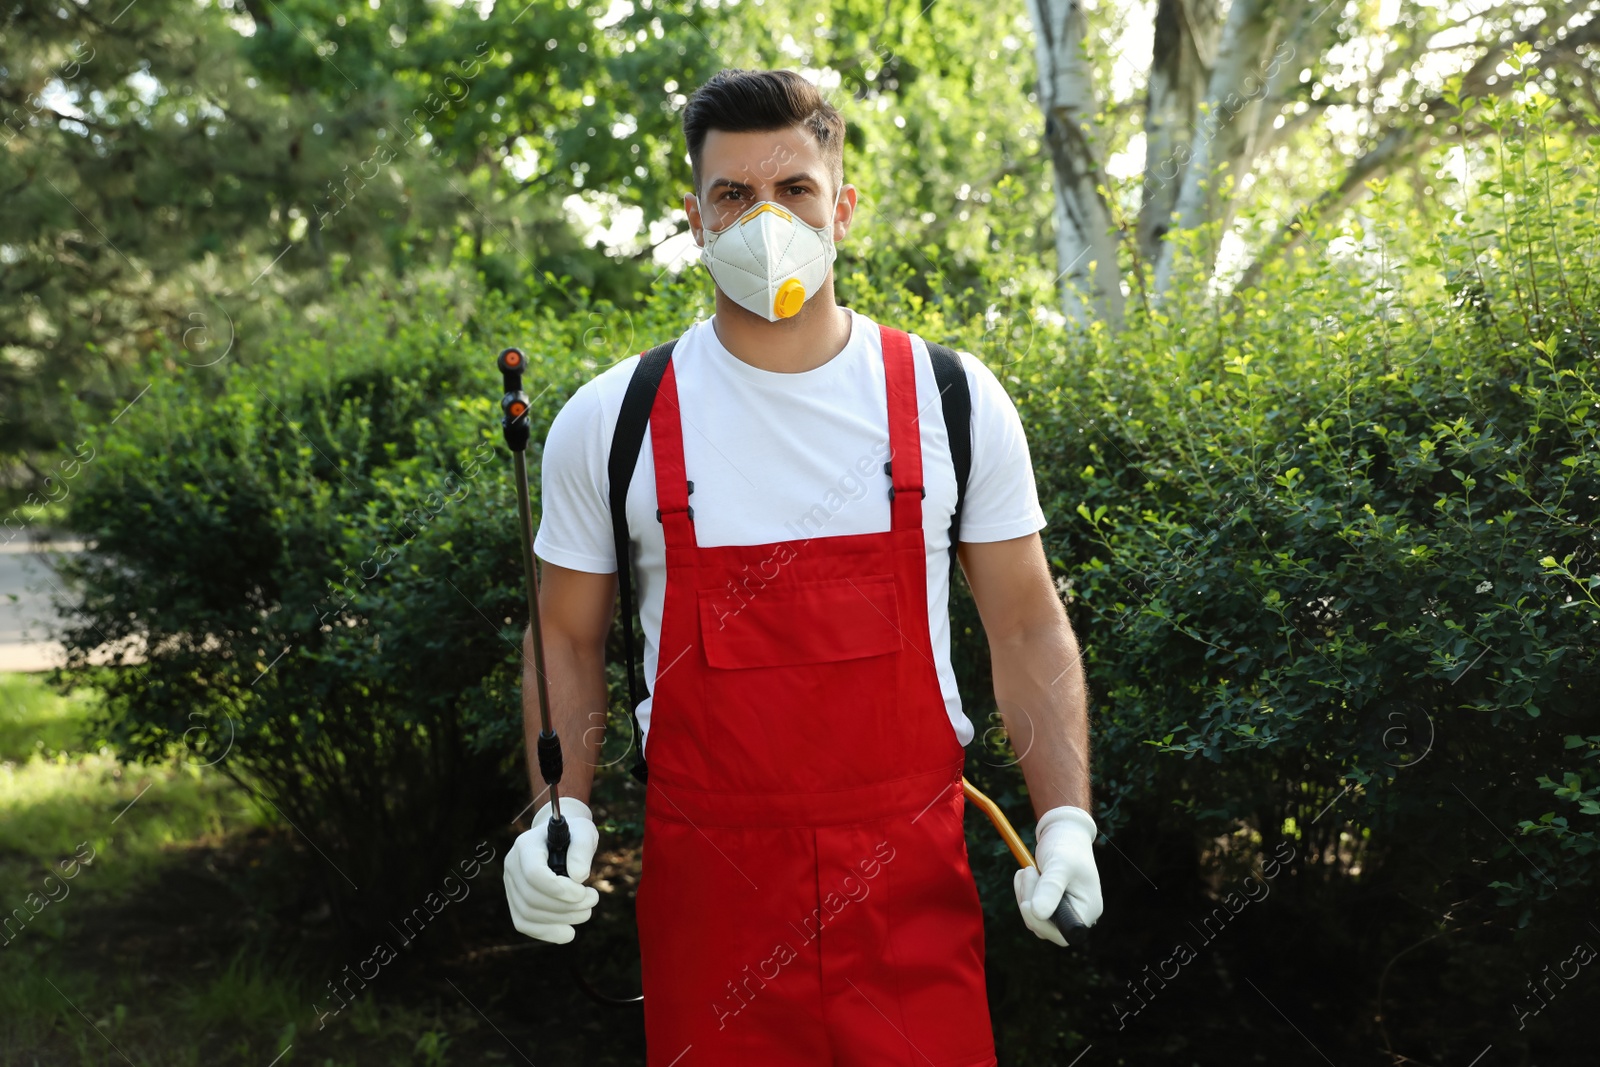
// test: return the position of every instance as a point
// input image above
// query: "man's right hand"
(546, 905)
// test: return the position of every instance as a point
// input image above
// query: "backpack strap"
(626, 441)
(956, 400)
(628, 438)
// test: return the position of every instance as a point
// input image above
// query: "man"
(805, 897)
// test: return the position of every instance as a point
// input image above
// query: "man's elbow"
(1033, 636)
(1035, 620)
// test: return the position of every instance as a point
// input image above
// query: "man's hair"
(740, 101)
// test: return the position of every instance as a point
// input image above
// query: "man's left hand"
(1064, 859)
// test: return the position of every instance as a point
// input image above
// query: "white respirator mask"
(769, 261)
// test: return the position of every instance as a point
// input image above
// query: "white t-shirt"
(777, 457)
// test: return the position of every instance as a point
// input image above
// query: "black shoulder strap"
(626, 441)
(956, 400)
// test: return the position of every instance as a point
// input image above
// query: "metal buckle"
(689, 508)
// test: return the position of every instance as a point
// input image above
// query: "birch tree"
(1226, 86)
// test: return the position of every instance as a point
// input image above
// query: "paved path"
(27, 616)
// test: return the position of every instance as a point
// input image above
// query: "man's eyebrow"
(730, 183)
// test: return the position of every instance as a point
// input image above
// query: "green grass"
(61, 790)
(34, 718)
(247, 1014)
(247, 994)
(50, 515)
(58, 800)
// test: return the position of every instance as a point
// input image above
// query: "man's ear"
(844, 213)
(691, 207)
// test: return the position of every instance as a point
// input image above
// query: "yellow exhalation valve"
(791, 294)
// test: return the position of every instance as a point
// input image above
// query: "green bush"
(1343, 529)
(1332, 548)
(317, 555)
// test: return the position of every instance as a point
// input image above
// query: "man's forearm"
(1040, 689)
(575, 679)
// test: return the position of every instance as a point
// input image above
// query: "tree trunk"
(1225, 135)
(1086, 250)
(1186, 35)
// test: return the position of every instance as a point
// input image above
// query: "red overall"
(805, 898)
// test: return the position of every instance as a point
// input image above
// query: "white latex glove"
(546, 905)
(1065, 864)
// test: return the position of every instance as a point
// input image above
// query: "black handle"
(558, 832)
(1067, 920)
(557, 837)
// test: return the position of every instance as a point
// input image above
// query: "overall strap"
(626, 441)
(672, 479)
(904, 465)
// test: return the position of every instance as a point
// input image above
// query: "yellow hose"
(1008, 833)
